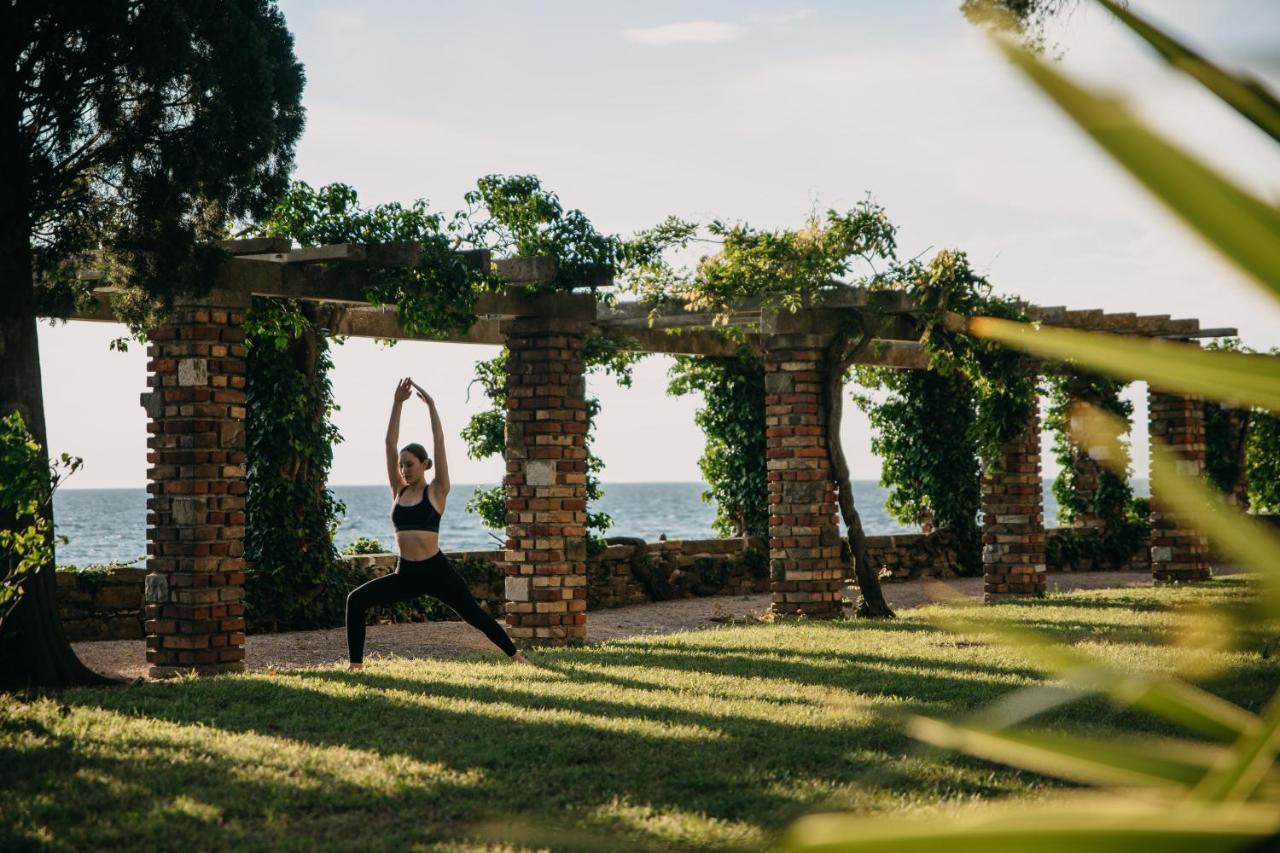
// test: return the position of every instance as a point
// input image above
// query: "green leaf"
(1244, 229)
(1240, 378)
(1161, 695)
(1169, 764)
(1098, 825)
(1238, 536)
(1244, 767)
(1248, 97)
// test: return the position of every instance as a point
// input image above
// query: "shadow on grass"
(551, 743)
(160, 796)
(594, 736)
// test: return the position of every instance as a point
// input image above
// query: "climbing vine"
(485, 433)
(1263, 462)
(732, 420)
(934, 430)
(924, 432)
(289, 439)
(1226, 437)
(1242, 446)
(297, 581)
(516, 215)
(791, 270)
(1084, 486)
(1002, 382)
(436, 297)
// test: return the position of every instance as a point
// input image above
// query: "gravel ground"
(127, 658)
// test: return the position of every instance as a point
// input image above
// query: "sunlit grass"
(717, 738)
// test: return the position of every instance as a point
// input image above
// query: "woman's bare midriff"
(417, 544)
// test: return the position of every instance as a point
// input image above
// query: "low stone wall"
(618, 576)
(622, 575)
(915, 555)
(109, 605)
(482, 570)
(104, 605)
(909, 556)
(1139, 562)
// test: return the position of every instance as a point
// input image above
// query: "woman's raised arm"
(403, 390)
(441, 481)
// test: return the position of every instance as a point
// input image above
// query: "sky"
(758, 112)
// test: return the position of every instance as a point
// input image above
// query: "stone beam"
(519, 302)
(382, 322)
(906, 355)
(686, 342)
(340, 273)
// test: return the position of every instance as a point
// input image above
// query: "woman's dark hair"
(417, 450)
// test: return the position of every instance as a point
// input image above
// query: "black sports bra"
(419, 516)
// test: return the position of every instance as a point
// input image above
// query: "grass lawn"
(715, 738)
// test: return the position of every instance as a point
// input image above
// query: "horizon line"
(70, 488)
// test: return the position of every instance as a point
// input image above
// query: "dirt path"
(127, 658)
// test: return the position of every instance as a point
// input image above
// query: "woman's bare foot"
(519, 658)
(355, 667)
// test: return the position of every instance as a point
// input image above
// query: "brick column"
(1088, 473)
(1178, 552)
(804, 535)
(195, 505)
(546, 479)
(1013, 559)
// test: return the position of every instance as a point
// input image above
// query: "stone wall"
(102, 605)
(108, 605)
(909, 556)
(618, 576)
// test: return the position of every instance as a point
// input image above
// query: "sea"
(109, 525)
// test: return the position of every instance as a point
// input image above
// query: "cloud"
(778, 19)
(687, 32)
(710, 32)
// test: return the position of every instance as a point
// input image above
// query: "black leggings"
(412, 578)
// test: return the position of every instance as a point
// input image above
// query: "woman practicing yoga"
(423, 568)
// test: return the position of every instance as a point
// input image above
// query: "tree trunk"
(871, 602)
(34, 650)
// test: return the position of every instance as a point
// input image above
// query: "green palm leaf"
(1244, 229)
(1098, 825)
(1168, 764)
(1242, 769)
(1237, 535)
(1240, 378)
(1248, 97)
(1157, 694)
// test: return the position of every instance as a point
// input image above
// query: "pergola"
(196, 446)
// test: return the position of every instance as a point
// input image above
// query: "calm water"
(103, 525)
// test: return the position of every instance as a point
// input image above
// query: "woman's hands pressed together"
(422, 394)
